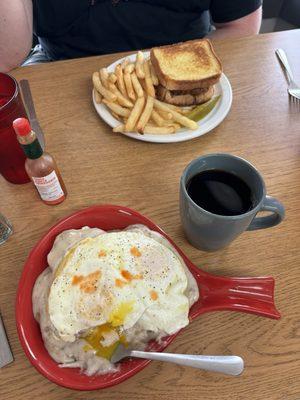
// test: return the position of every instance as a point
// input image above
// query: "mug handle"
(277, 209)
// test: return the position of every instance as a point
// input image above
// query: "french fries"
(166, 114)
(120, 128)
(128, 85)
(155, 116)
(129, 68)
(176, 116)
(145, 115)
(113, 77)
(159, 130)
(129, 93)
(135, 114)
(120, 79)
(136, 85)
(98, 97)
(122, 100)
(104, 77)
(119, 110)
(125, 62)
(101, 89)
(139, 65)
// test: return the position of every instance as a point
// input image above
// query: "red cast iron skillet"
(251, 295)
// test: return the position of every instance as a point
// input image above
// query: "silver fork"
(293, 88)
(229, 365)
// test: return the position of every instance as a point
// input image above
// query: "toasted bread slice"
(184, 98)
(188, 65)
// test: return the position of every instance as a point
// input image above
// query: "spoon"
(229, 365)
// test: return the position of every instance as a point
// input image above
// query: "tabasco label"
(48, 187)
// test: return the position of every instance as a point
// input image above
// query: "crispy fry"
(176, 108)
(155, 116)
(120, 79)
(122, 100)
(153, 75)
(128, 85)
(139, 67)
(116, 116)
(125, 63)
(129, 68)
(136, 85)
(143, 84)
(124, 112)
(148, 81)
(176, 116)
(160, 121)
(146, 114)
(135, 114)
(98, 97)
(119, 128)
(166, 115)
(104, 77)
(101, 89)
(159, 130)
(112, 77)
(174, 125)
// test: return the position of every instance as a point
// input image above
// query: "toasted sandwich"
(186, 72)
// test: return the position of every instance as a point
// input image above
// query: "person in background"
(79, 28)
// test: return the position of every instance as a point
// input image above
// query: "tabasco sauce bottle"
(40, 166)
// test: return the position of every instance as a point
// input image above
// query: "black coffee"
(220, 192)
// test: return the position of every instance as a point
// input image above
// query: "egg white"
(154, 297)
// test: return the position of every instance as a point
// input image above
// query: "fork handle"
(229, 365)
(283, 58)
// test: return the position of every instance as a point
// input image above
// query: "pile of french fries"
(129, 93)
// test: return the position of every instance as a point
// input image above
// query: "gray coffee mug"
(210, 232)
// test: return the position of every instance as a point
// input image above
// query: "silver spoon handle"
(283, 58)
(230, 365)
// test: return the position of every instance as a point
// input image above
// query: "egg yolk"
(94, 337)
(117, 317)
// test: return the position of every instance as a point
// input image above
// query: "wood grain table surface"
(100, 167)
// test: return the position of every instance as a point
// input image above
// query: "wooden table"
(100, 167)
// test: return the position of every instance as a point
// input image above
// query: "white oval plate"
(213, 119)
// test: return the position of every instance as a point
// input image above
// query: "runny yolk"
(94, 337)
(118, 315)
(135, 251)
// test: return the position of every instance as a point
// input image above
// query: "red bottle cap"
(21, 126)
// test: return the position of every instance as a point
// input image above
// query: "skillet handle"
(250, 295)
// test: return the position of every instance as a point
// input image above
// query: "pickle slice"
(203, 110)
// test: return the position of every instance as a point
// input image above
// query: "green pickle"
(203, 110)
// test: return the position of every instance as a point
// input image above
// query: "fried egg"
(107, 284)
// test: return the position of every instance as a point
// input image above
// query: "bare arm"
(245, 26)
(15, 32)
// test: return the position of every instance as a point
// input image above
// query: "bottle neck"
(33, 150)
(31, 146)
